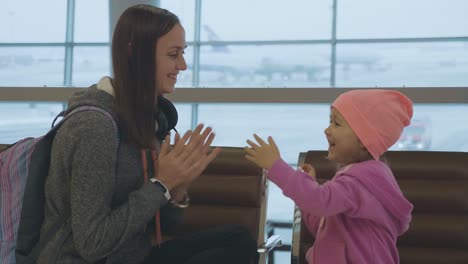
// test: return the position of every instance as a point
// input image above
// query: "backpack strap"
(32, 257)
(55, 127)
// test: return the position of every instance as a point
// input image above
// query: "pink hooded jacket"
(363, 210)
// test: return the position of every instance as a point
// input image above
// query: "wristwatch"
(167, 194)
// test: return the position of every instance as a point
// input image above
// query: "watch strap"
(167, 194)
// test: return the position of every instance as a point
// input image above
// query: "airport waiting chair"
(437, 185)
(232, 190)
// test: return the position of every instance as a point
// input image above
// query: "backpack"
(24, 167)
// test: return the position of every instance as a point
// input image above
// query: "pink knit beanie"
(376, 116)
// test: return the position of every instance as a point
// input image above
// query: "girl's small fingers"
(272, 142)
(252, 144)
(260, 140)
(249, 151)
(250, 158)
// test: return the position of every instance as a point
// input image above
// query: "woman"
(109, 184)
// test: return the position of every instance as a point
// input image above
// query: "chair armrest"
(296, 236)
(270, 244)
(297, 222)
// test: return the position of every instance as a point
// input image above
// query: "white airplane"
(368, 62)
(223, 63)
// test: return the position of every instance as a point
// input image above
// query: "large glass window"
(185, 78)
(431, 64)
(184, 111)
(90, 64)
(300, 127)
(91, 21)
(19, 120)
(401, 18)
(437, 127)
(31, 66)
(266, 20)
(260, 66)
(273, 45)
(295, 127)
(185, 10)
(33, 21)
(254, 44)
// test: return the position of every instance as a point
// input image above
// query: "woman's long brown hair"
(134, 67)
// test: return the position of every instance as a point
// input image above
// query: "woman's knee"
(242, 238)
(239, 233)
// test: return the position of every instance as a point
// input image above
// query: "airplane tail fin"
(212, 36)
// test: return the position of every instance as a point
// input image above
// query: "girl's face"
(170, 59)
(344, 146)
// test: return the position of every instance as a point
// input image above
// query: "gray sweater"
(99, 191)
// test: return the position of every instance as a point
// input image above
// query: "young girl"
(358, 215)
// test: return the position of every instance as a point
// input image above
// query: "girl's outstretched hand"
(262, 153)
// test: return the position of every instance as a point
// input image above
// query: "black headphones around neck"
(166, 117)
